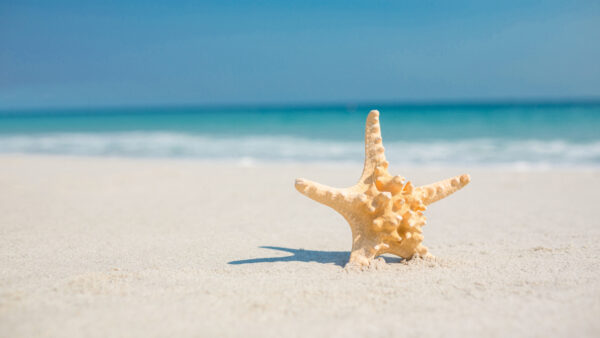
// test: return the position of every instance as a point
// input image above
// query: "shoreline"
(347, 165)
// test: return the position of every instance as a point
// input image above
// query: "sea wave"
(483, 152)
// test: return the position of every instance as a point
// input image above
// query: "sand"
(103, 247)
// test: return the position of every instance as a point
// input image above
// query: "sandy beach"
(98, 247)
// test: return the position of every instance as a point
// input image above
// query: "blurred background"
(510, 84)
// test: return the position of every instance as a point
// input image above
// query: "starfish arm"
(374, 150)
(436, 191)
(319, 192)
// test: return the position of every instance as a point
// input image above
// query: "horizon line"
(321, 105)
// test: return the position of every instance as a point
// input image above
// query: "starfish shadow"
(339, 258)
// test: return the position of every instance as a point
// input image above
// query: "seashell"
(385, 212)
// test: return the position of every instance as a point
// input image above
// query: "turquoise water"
(538, 135)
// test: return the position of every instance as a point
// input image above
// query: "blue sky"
(110, 53)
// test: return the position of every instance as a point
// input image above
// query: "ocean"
(531, 135)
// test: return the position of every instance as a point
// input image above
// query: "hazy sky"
(57, 53)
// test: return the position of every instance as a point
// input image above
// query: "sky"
(146, 53)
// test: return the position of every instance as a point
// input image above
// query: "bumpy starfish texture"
(385, 212)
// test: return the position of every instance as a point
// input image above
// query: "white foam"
(247, 150)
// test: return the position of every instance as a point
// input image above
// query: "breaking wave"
(482, 152)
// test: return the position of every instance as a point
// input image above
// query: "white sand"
(140, 248)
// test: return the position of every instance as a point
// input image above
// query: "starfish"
(385, 212)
